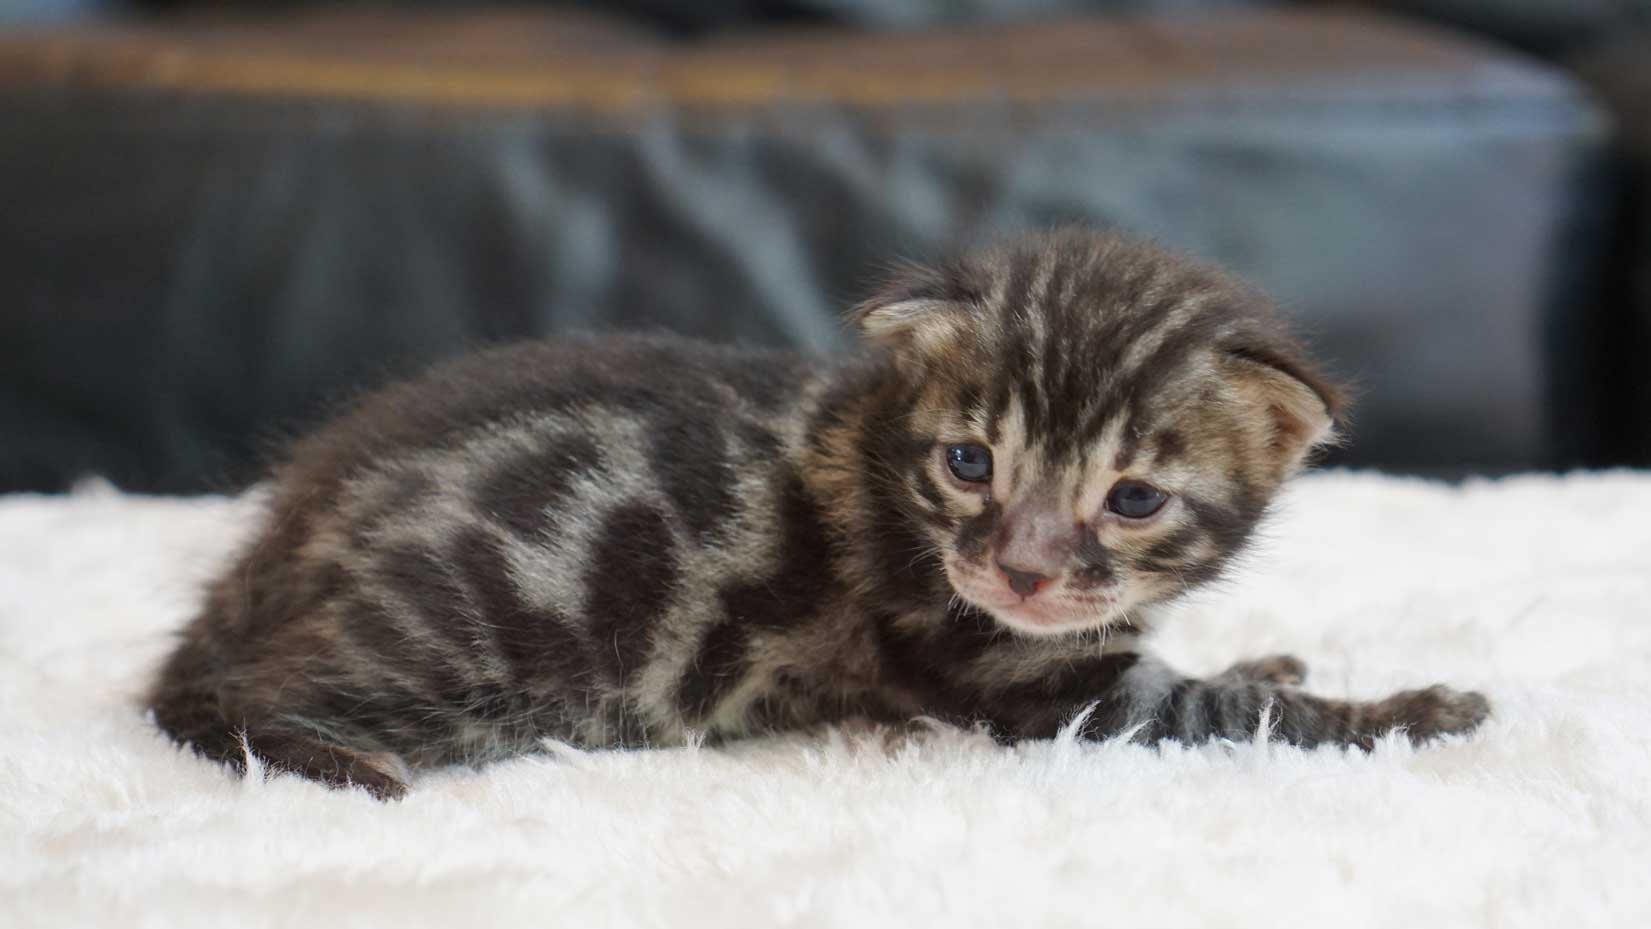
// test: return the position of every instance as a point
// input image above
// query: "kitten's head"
(1089, 424)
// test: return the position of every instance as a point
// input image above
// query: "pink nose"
(1025, 583)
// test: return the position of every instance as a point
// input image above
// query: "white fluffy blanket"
(1536, 590)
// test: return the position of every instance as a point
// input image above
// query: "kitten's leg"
(197, 718)
(1113, 694)
(198, 724)
(383, 774)
(1231, 706)
(1272, 669)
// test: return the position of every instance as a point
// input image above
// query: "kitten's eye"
(1135, 500)
(971, 463)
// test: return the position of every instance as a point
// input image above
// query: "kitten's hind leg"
(383, 774)
(198, 719)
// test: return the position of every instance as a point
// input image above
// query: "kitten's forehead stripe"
(1168, 446)
(1016, 293)
(1003, 395)
(1127, 449)
(969, 399)
(1085, 334)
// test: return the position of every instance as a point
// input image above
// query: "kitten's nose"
(1025, 583)
(1034, 544)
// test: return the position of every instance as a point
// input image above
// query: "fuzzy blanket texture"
(1536, 590)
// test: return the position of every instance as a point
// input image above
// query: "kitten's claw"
(1285, 670)
(1436, 711)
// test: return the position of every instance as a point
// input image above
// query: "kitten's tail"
(189, 708)
(191, 712)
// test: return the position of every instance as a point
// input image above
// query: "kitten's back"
(469, 562)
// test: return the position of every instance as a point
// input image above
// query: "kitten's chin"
(1033, 619)
(1040, 618)
(1044, 616)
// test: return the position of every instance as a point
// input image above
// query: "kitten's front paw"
(1436, 711)
(1287, 670)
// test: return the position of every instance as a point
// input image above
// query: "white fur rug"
(1536, 590)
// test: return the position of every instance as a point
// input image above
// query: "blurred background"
(219, 218)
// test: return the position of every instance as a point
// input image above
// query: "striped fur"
(622, 542)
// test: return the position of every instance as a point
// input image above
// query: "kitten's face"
(1094, 425)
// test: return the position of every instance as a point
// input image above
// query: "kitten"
(619, 542)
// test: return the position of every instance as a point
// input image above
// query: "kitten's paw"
(1287, 670)
(382, 774)
(1433, 712)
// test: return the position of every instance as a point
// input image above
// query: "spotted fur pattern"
(622, 542)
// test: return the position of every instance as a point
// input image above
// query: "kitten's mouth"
(1039, 615)
(1038, 619)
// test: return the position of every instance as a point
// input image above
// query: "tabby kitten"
(619, 542)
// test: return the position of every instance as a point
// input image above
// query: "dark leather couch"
(213, 227)
(1619, 71)
(1606, 44)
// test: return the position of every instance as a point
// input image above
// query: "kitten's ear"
(1301, 406)
(914, 313)
(919, 322)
